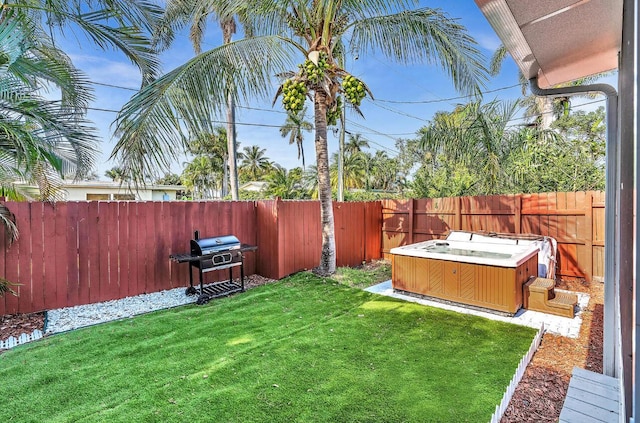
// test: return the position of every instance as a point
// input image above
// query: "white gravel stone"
(68, 318)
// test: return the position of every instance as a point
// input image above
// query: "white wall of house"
(100, 190)
(107, 190)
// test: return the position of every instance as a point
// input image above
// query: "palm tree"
(169, 179)
(354, 170)
(116, 174)
(285, 32)
(310, 181)
(382, 171)
(284, 184)
(213, 145)
(177, 14)
(253, 161)
(200, 176)
(293, 127)
(44, 140)
(355, 144)
(477, 136)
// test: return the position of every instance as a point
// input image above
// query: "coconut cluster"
(313, 72)
(293, 96)
(353, 89)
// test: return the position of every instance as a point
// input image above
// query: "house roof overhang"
(558, 40)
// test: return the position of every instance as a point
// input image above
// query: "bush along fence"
(574, 219)
(72, 253)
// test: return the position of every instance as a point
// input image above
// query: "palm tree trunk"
(231, 147)
(225, 174)
(328, 254)
(546, 112)
(228, 29)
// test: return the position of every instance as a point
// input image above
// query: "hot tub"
(486, 272)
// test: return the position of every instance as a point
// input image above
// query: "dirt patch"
(256, 280)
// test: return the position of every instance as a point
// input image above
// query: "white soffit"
(558, 40)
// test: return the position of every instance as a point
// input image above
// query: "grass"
(365, 276)
(304, 349)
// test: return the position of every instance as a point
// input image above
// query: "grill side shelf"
(187, 257)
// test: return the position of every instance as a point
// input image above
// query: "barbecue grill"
(215, 253)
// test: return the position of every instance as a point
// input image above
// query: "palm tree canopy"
(153, 122)
(253, 161)
(120, 25)
(355, 143)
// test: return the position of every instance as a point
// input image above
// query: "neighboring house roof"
(254, 186)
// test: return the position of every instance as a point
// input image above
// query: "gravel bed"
(68, 318)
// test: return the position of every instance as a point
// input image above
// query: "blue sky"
(385, 119)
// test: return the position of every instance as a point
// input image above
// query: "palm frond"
(8, 220)
(134, 20)
(498, 57)
(424, 35)
(129, 40)
(359, 9)
(152, 125)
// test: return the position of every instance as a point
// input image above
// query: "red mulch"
(17, 324)
(541, 392)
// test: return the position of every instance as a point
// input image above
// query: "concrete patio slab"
(563, 326)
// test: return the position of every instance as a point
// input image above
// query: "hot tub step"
(540, 295)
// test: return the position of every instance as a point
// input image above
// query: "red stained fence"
(82, 252)
(291, 231)
(72, 253)
(574, 219)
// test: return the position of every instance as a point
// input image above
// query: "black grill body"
(204, 246)
(215, 253)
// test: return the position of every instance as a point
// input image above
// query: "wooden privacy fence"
(574, 219)
(291, 231)
(72, 253)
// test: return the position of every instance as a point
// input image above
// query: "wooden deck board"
(591, 397)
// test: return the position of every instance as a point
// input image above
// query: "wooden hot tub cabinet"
(492, 287)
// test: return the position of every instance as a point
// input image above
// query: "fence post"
(458, 216)
(411, 219)
(588, 214)
(279, 223)
(518, 217)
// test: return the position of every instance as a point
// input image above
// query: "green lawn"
(300, 350)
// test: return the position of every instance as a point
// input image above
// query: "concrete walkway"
(553, 324)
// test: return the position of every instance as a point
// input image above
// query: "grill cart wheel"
(191, 291)
(203, 299)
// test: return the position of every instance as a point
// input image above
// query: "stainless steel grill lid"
(204, 246)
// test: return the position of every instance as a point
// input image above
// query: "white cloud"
(105, 70)
(489, 41)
